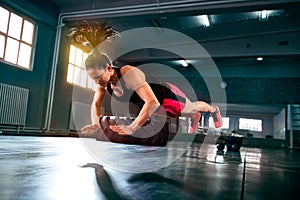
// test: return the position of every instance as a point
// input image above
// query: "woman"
(129, 83)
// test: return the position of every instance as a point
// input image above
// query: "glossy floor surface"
(44, 168)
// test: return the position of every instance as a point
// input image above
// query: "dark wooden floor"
(44, 168)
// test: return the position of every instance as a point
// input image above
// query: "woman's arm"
(135, 80)
(96, 104)
(95, 110)
(151, 104)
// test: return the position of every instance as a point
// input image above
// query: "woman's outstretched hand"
(90, 129)
(121, 129)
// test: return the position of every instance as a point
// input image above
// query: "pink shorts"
(174, 104)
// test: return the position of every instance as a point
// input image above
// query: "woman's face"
(100, 76)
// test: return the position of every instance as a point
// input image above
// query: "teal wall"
(37, 80)
(65, 92)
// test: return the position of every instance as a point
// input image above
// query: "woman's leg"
(197, 106)
(193, 109)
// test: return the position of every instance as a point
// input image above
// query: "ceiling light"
(183, 63)
(264, 15)
(259, 58)
(205, 20)
(223, 84)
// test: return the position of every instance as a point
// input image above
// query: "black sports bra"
(160, 90)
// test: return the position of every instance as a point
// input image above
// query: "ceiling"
(236, 36)
(235, 30)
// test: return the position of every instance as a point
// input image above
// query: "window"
(225, 121)
(16, 39)
(250, 124)
(76, 72)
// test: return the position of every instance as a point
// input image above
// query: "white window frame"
(76, 73)
(250, 124)
(20, 40)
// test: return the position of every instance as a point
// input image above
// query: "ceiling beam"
(112, 10)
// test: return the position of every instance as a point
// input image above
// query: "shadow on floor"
(156, 178)
(104, 182)
(106, 186)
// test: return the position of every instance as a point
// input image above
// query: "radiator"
(13, 105)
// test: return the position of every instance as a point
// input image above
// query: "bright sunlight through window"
(16, 39)
(250, 124)
(76, 72)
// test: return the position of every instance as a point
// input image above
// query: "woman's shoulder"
(127, 68)
(133, 77)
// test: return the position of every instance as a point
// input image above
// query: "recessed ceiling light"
(259, 58)
(183, 63)
(205, 19)
(264, 15)
(223, 84)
